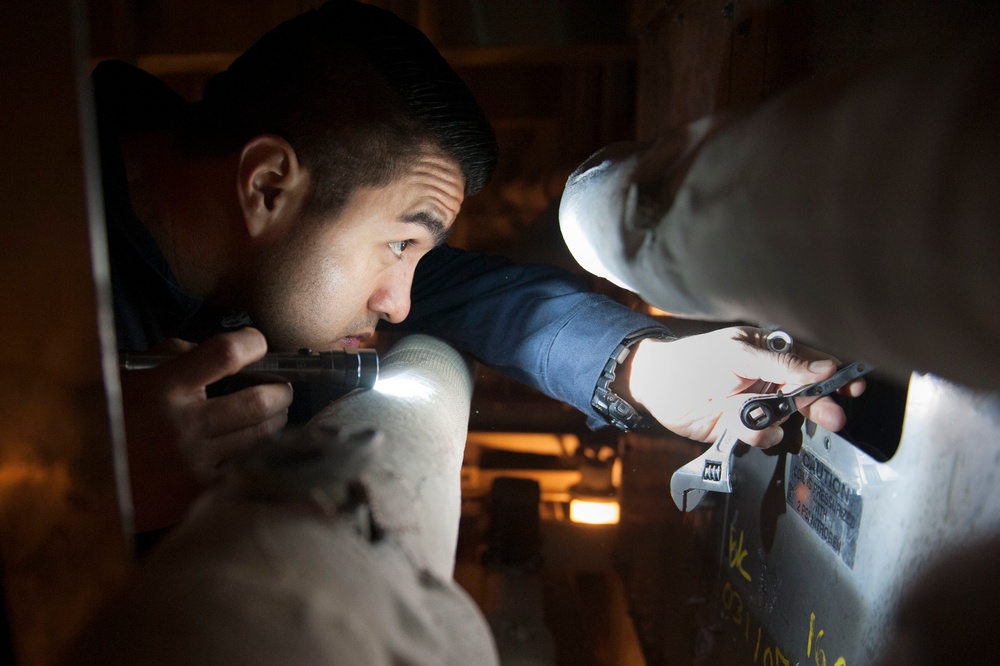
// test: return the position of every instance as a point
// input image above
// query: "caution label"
(830, 506)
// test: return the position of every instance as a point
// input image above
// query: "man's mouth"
(355, 340)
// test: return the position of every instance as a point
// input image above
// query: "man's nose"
(391, 300)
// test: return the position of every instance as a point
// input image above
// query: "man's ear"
(272, 185)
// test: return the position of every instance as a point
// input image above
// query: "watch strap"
(616, 409)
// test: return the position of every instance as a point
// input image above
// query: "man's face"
(327, 282)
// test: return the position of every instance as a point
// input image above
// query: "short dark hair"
(357, 92)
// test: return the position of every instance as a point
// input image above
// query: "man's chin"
(342, 343)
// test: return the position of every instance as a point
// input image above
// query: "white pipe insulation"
(859, 211)
(334, 545)
(421, 405)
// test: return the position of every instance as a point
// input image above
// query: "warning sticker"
(830, 506)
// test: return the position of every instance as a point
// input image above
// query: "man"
(298, 196)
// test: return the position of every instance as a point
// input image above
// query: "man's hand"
(178, 437)
(692, 385)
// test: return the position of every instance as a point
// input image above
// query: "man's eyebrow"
(435, 226)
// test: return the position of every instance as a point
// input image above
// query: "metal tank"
(819, 543)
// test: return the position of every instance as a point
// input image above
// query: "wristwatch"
(618, 411)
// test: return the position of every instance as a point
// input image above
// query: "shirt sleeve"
(537, 324)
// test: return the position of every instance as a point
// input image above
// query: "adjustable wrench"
(711, 470)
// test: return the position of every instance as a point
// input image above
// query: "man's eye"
(399, 247)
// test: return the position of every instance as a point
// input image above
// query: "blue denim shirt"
(535, 323)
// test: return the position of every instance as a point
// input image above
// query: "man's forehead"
(437, 179)
(437, 164)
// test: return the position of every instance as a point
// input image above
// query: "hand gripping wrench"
(711, 470)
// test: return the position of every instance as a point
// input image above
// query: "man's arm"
(535, 323)
(540, 326)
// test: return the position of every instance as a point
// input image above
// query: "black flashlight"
(340, 369)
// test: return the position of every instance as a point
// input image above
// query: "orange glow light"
(594, 513)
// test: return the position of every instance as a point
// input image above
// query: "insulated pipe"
(421, 404)
(857, 212)
(333, 545)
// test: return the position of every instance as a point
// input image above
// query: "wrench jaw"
(709, 472)
(687, 499)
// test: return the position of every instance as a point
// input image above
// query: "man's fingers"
(234, 422)
(802, 367)
(785, 369)
(245, 409)
(173, 346)
(220, 450)
(753, 360)
(762, 439)
(855, 388)
(216, 358)
(826, 413)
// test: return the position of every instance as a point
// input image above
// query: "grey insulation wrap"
(421, 405)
